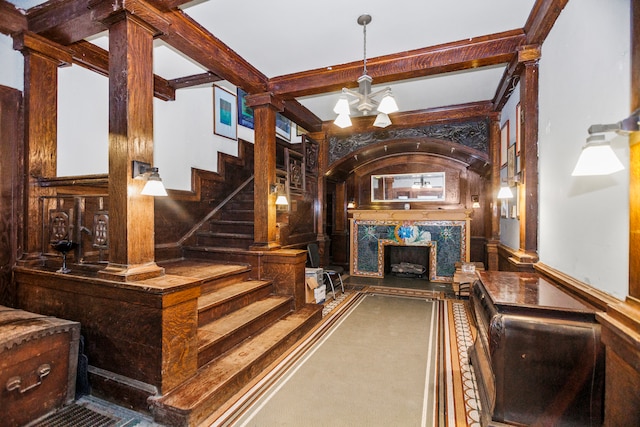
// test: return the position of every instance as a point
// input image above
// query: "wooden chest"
(538, 357)
(38, 361)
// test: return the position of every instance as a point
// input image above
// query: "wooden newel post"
(265, 106)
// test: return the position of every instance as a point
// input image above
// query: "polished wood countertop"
(529, 291)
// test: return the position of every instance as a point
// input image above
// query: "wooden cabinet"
(537, 356)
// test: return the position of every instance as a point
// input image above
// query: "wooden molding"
(599, 299)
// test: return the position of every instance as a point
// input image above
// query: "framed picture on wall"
(504, 143)
(283, 127)
(225, 113)
(245, 114)
(511, 163)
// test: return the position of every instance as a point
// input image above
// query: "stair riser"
(239, 215)
(216, 312)
(204, 240)
(232, 228)
(175, 417)
(216, 349)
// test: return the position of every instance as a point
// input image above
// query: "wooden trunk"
(38, 361)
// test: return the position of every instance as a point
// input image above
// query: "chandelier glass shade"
(363, 100)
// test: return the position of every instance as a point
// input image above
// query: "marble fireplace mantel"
(443, 232)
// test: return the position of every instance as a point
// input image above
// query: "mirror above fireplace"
(409, 187)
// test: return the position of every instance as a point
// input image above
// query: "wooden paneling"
(11, 188)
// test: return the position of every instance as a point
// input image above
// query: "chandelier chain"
(364, 32)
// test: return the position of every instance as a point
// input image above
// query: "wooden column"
(41, 61)
(321, 203)
(493, 188)
(265, 106)
(529, 161)
(131, 215)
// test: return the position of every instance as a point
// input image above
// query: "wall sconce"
(475, 201)
(505, 193)
(153, 186)
(351, 204)
(281, 200)
(597, 156)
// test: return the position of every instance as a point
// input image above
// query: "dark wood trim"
(542, 18)
(529, 158)
(410, 119)
(465, 54)
(511, 75)
(11, 20)
(194, 80)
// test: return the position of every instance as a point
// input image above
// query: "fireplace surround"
(444, 232)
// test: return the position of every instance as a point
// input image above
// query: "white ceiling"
(281, 37)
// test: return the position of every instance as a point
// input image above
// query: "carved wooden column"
(265, 106)
(323, 165)
(41, 61)
(529, 161)
(493, 188)
(621, 322)
(131, 215)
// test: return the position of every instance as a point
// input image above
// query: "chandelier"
(363, 99)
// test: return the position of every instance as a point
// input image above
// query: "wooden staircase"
(232, 226)
(242, 328)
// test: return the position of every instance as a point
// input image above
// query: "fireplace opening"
(416, 256)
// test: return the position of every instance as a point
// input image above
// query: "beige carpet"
(371, 363)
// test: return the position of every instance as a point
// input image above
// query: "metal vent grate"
(76, 416)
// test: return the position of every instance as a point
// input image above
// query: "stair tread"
(202, 269)
(213, 376)
(219, 234)
(228, 292)
(220, 328)
(230, 221)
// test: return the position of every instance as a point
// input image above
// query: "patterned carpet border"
(415, 293)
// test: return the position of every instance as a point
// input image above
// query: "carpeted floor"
(321, 396)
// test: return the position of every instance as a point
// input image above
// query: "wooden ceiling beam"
(302, 116)
(541, 19)
(12, 21)
(194, 80)
(418, 118)
(96, 59)
(461, 55)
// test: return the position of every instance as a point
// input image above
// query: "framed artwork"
(511, 164)
(225, 112)
(518, 128)
(283, 127)
(504, 143)
(245, 114)
(504, 208)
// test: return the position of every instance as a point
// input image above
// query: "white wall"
(12, 68)
(509, 226)
(83, 122)
(584, 80)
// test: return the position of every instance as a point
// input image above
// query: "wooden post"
(41, 61)
(493, 188)
(131, 215)
(529, 160)
(265, 106)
